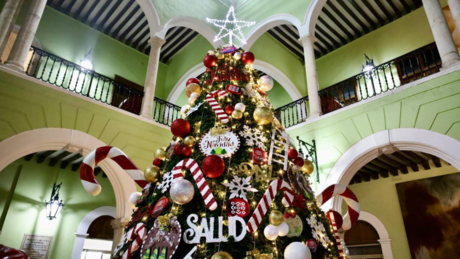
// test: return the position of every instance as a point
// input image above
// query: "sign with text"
(37, 247)
(225, 144)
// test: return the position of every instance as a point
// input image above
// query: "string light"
(235, 31)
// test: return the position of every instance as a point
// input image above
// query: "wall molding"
(384, 238)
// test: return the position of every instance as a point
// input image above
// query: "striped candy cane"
(88, 178)
(353, 206)
(211, 99)
(138, 234)
(264, 204)
(338, 242)
(200, 181)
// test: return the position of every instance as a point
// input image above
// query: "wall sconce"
(54, 205)
(369, 67)
(86, 62)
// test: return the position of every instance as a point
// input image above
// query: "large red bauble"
(337, 218)
(248, 58)
(299, 161)
(213, 166)
(259, 156)
(237, 207)
(178, 150)
(158, 162)
(229, 109)
(186, 151)
(192, 80)
(292, 154)
(180, 128)
(209, 61)
(160, 206)
(311, 243)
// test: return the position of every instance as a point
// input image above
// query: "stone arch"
(384, 238)
(311, 18)
(151, 13)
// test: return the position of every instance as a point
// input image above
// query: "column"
(454, 6)
(118, 226)
(312, 76)
(78, 245)
(7, 20)
(386, 248)
(26, 36)
(442, 36)
(151, 77)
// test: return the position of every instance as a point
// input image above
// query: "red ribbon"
(290, 215)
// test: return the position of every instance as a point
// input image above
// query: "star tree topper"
(230, 32)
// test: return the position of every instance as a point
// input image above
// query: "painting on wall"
(431, 213)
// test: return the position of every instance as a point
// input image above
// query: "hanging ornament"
(180, 128)
(160, 153)
(259, 156)
(192, 88)
(215, 106)
(237, 114)
(248, 58)
(192, 81)
(265, 83)
(133, 197)
(162, 236)
(271, 232)
(299, 182)
(283, 229)
(152, 173)
(189, 141)
(181, 191)
(254, 137)
(233, 89)
(219, 141)
(170, 150)
(193, 98)
(220, 55)
(178, 150)
(240, 107)
(237, 207)
(158, 162)
(292, 154)
(228, 49)
(308, 167)
(263, 115)
(237, 55)
(210, 61)
(221, 255)
(211, 52)
(166, 182)
(239, 187)
(136, 234)
(276, 218)
(295, 226)
(312, 245)
(297, 250)
(186, 151)
(213, 166)
(298, 161)
(229, 109)
(159, 207)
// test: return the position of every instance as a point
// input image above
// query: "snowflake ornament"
(239, 187)
(254, 137)
(318, 231)
(166, 183)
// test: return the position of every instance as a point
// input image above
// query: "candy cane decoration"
(353, 206)
(211, 99)
(138, 233)
(200, 181)
(266, 200)
(88, 178)
(338, 242)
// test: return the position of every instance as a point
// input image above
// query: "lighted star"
(232, 32)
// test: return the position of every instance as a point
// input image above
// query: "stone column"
(442, 36)
(7, 20)
(151, 77)
(78, 245)
(26, 35)
(454, 6)
(386, 248)
(118, 226)
(312, 76)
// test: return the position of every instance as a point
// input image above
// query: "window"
(362, 242)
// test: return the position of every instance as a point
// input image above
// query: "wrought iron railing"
(410, 67)
(165, 112)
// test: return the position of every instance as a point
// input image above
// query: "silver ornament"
(181, 191)
(237, 55)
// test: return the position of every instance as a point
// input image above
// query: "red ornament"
(237, 207)
(292, 154)
(180, 128)
(290, 214)
(186, 151)
(337, 218)
(311, 243)
(178, 150)
(213, 166)
(192, 81)
(229, 109)
(160, 206)
(158, 162)
(298, 161)
(233, 89)
(258, 156)
(210, 61)
(247, 58)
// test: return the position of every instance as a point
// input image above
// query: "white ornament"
(240, 107)
(181, 191)
(235, 27)
(206, 230)
(228, 142)
(132, 199)
(194, 109)
(166, 183)
(266, 83)
(271, 232)
(249, 90)
(194, 96)
(184, 110)
(237, 55)
(239, 187)
(254, 137)
(318, 231)
(191, 101)
(283, 229)
(297, 250)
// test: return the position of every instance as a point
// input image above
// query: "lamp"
(369, 65)
(86, 62)
(54, 205)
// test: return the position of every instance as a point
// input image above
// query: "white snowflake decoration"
(318, 231)
(166, 183)
(239, 187)
(254, 137)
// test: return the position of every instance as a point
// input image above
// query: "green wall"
(26, 214)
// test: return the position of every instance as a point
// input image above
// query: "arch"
(384, 238)
(268, 23)
(269, 69)
(37, 140)
(151, 13)
(192, 23)
(311, 18)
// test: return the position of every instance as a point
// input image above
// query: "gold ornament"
(263, 115)
(145, 218)
(220, 55)
(276, 218)
(219, 129)
(164, 220)
(190, 141)
(237, 114)
(307, 167)
(160, 153)
(152, 173)
(192, 88)
(221, 255)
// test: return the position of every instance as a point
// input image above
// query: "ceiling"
(400, 162)
(342, 21)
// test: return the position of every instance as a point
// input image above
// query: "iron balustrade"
(408, 68)
(165, 112)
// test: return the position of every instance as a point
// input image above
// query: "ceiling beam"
(69, 7)
(77, 14)
(395, 8)
(329, 27)
(322, 40)
(29, 157)
(406, 6)
(42, 157)
(365, 176)
(374, 175)
(88, 13)
(108, 29)
(374, 12)
(363, 13)
(437, 162)
(395, 164)
(120, 26)
(339, 24)
(331, 39)
(109, 14)
(384, 10)
(99, 13)
(357, 178)
(413, 165)
(75, 166)
(340, 14)
(353, 15)
(54, 160)
(130, 28)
